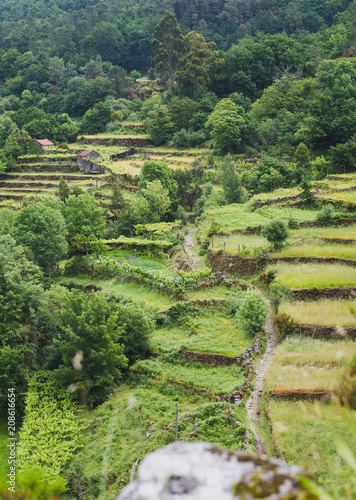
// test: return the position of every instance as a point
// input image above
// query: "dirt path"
(189, 246)
(253, 403)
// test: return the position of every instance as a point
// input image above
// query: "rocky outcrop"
(201, 471)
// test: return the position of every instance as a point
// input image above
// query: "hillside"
(177, 237)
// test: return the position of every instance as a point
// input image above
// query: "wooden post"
(224, 246)
(212, 242)
(176, 422)
(239, 248)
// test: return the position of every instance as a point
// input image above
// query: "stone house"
(86, 162)
(43, 143)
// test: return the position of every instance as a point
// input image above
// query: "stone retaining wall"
(122, 141)
(238, 264)
(326, 332)
(210, 359)
(47, 167)
(324, 293)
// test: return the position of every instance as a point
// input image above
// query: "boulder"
(201, 471)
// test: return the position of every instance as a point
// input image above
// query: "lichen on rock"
(201, 471)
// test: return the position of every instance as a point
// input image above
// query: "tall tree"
(89, 349)
(42, 229)
(226, 125)
(168, 48)
(199, 65)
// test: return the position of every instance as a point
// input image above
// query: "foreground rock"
(200, 471)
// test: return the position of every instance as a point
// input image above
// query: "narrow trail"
(190, 248)
(253, 402)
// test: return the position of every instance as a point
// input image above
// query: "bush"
(347, 389)
(276, 232)
(253, 312)
(326, 215)
(279, 292)
(285, 325)
(293, 224)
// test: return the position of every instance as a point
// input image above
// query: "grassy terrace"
(116, 136)
(318, 249)
(346, 232)
(294, 248)
(322, 312)
(209, 331)
(244, 241)
(314, 275)
(309, 364)
(317, 425)
(278, 193)
(346, 196)
(126, 418)
(219, 380)
(238, 217)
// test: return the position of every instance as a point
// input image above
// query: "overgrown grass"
(307, 434)
(314, 275)
(346, 196)
(135, 422)
(219, 380)
(322, 312)
(244, 241)
(278, 193)
(238, 217)
(318, 249)
(127, 291)
(208, 331)
(327, 232)
(309, 364)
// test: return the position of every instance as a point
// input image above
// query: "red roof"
(84, 152)
(44, 142)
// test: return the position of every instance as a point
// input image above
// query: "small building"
(86, 161)
(43, 143)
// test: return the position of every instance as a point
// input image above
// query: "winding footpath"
(253, 402)
(189, 245)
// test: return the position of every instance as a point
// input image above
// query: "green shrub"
(293, 224)
(253, 312)
(279, 292)
(276, 232)
(326, 215)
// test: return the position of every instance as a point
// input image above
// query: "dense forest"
(222, 130)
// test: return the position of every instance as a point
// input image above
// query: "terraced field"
(19, 185)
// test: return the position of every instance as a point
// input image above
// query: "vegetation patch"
(309, 364)
(314, 275)
(319, 425)
(321, 312)
(219, 381)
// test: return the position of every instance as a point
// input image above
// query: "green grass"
(278, 193)
(314, 275)
(117, 434)
(346, 232)
(129, 291)
(307, 434)
(322, 312)
(219, 380)
(318, 249)
(4, 451)
(309, 364)
(346, 196)
(244, 241)
(238, 217)
(214, 332)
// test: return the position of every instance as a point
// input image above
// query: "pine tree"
(168, 48)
